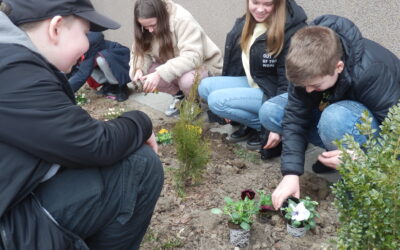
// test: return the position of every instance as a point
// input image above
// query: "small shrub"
(368, 197)
(192, 149)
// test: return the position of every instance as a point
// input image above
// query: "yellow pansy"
(163, 131)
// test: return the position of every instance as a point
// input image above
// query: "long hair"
(143, 38)
(276, 28)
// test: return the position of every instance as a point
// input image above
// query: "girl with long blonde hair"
(254, 69)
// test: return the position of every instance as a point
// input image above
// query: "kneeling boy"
(335, 75)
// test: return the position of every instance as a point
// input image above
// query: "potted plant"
(164, 136)
(265, 208)
(240, 218)
(300, 215)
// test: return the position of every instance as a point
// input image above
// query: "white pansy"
(300, 212)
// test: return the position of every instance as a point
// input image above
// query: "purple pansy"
(248, 193)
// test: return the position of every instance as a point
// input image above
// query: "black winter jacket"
(371, 77)
(268, 72)
(116, 55)
(40, 125)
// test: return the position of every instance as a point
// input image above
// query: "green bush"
(192, 149)
(368, 196)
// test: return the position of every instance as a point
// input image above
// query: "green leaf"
(228, 200)
(216, 211)
(245, 226)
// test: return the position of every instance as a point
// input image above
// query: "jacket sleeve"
(372, 94)
(189, 38)
(296, 124)
(43, 121)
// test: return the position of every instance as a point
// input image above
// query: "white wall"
(377, 20)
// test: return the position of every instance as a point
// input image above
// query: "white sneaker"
(173, 107)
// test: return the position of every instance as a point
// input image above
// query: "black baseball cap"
(26, 11)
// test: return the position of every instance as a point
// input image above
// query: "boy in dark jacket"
(67, 181)
(335, 75)
(105, 64)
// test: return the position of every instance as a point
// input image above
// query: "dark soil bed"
(187, 223)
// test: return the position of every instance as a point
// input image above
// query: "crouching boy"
(335, 75)
(67, 181)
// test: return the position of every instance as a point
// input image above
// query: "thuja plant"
(192, 149)
(368, 197)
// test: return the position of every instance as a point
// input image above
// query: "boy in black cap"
(67, 181)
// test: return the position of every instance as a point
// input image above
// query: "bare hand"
(330, 158)
(152, 142)
(227, 120)
(273, 140)
(289, 186)
(137, 76)
(150, 82)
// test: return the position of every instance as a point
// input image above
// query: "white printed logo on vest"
(268, 61)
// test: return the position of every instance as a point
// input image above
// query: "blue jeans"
(110, 207)
(333, 123)
(231, 97)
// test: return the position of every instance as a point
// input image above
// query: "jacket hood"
(349, 34)
(294, 14)
(9, 33)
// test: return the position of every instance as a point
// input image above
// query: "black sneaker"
(320, 168)
(271, 153)
(214, 118)
(254, 142)
(108, 90)
(242, 134)
(173, 107)
(122, 93)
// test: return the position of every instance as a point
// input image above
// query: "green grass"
(247, 155)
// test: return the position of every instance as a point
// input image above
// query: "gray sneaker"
(173, 107)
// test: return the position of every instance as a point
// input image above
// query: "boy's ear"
(340, 66)
(54, 29)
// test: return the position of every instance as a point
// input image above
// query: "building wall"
(377, 20)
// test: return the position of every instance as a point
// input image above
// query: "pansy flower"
(248, 193)
(300, 212)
